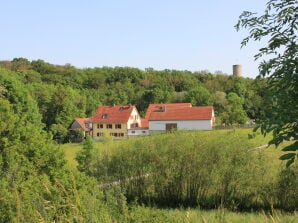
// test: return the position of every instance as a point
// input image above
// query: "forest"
(64, 92)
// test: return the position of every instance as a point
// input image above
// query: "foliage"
(234, 110)
(196, 169)
(278, 27)
(84, 156)
(141, 214)
(35, 183)
(65, 92)
(59, 133)
(199, 96)
(75, 135)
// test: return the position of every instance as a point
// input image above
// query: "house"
(181, 116)
(117, 121)
(153, 107)
(80, 128)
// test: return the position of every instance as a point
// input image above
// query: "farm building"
(182, 116)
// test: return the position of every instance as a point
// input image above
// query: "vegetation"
(64, 92)
(128, 181)
(39, 102)
(142, 214)
(35, 183)
(278, 27)
(197, 169)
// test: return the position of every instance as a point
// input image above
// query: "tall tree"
(234, 113)
(199, 96)
(278, 28)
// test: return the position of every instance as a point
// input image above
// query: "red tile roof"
(112, 114)
(154, 107)
(186, 113)
(157, 107)
(144, 123)
(82, 122)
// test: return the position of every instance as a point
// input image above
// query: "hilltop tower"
(237, 70)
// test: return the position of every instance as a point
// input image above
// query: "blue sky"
(162, 34)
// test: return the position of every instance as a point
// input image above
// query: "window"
(144, 132)
(99, 134)
(101, 126)
(133, 132)
(122, 134)
(117, 126)
(171, 126)
(134, 125)
(109, 126)
(105, 116)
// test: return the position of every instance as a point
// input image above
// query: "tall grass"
(210, 170)
(143, 214)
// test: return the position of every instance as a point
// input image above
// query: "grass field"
(70, 150)
(154, 215)
(146, 214)
(272, 153)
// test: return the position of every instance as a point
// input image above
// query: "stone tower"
(237, 70)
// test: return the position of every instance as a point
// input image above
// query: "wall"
(181, 125)
(134, 118)
(105, 130)
(137, 132)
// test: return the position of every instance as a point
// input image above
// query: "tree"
(220, 103)
(36, 185)
(278, 28)
(199, 96)
(84, 156)
(234, 113)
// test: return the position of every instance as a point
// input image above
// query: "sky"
(189, 35)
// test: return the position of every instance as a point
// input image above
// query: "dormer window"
(105, 116)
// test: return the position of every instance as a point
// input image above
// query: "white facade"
(181, 125)
(134, 119)
(137, 132)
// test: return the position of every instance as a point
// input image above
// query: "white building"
(182, 116)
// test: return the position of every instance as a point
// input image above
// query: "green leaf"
(292, 147)
(287, 156)
(290, 161)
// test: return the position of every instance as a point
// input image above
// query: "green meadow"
(200, 176)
